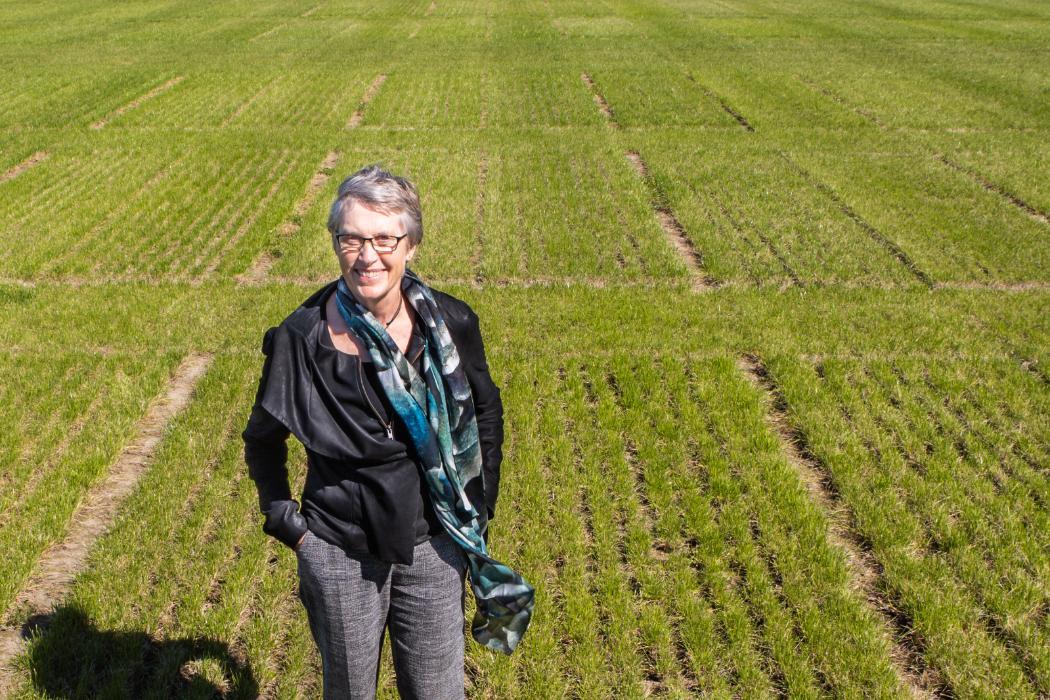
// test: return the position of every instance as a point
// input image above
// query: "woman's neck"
(384, 309)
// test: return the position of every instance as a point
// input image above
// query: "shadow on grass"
(70, 658)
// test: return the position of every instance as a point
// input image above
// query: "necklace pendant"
(390, 430)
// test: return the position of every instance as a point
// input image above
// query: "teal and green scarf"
(445, 435)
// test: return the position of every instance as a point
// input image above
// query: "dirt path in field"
(16, 170)
(370, 94)
(261, 267)
(160, 89)
(908, 661)
(1033, 212)
(673, 229)
(58, 565)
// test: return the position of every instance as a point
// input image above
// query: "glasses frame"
(364, 240)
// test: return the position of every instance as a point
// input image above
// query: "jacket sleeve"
(266, 454)
(488, 408)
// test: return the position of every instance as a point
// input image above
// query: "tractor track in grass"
(19, 168)
(891, 246)
(843, 102)
(673, 229)
(268, 32)
(285, 167)
(738, 228)
(599, 99)
(477, 256)
(908, 660)
(137, 102)
(260, 267)
(245, 105)
(359, 114)
(1033, 212)
(58, 566)
(726, 107)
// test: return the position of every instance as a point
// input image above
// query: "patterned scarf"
(445, 435)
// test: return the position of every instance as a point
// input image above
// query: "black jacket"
(357, 472)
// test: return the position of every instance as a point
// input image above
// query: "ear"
(411, 253)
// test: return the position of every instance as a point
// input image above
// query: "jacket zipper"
(364, 390)
(389, 425)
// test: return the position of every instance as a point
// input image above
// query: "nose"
(367, 253)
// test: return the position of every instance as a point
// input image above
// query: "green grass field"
(766, 287)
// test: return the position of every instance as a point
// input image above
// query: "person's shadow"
(70, 658)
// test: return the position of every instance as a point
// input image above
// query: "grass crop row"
(40, 515)
(757, 220)
(921, 529)
(184, 563)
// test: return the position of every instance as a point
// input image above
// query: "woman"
(384, 381)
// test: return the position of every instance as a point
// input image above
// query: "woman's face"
(373, 277)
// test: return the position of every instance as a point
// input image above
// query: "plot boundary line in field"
(908, 662)
(359, 114)
(260, 267)
(887, 243)
(838, 99)
(19, 168)
(58, 566)
(506, 282)
(137, 102)
(672, 228)
(740, 118)
(599, 99)
(1033, 212)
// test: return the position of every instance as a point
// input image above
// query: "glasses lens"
(385, 244)
(353, 244)
(349, 244)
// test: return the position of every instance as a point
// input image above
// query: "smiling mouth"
(370, 274)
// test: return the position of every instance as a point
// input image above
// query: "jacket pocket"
(284, 522)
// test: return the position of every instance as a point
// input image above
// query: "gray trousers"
(350, 601)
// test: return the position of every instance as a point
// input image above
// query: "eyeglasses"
(347, 243)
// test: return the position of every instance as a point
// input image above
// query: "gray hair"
(381, 191)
